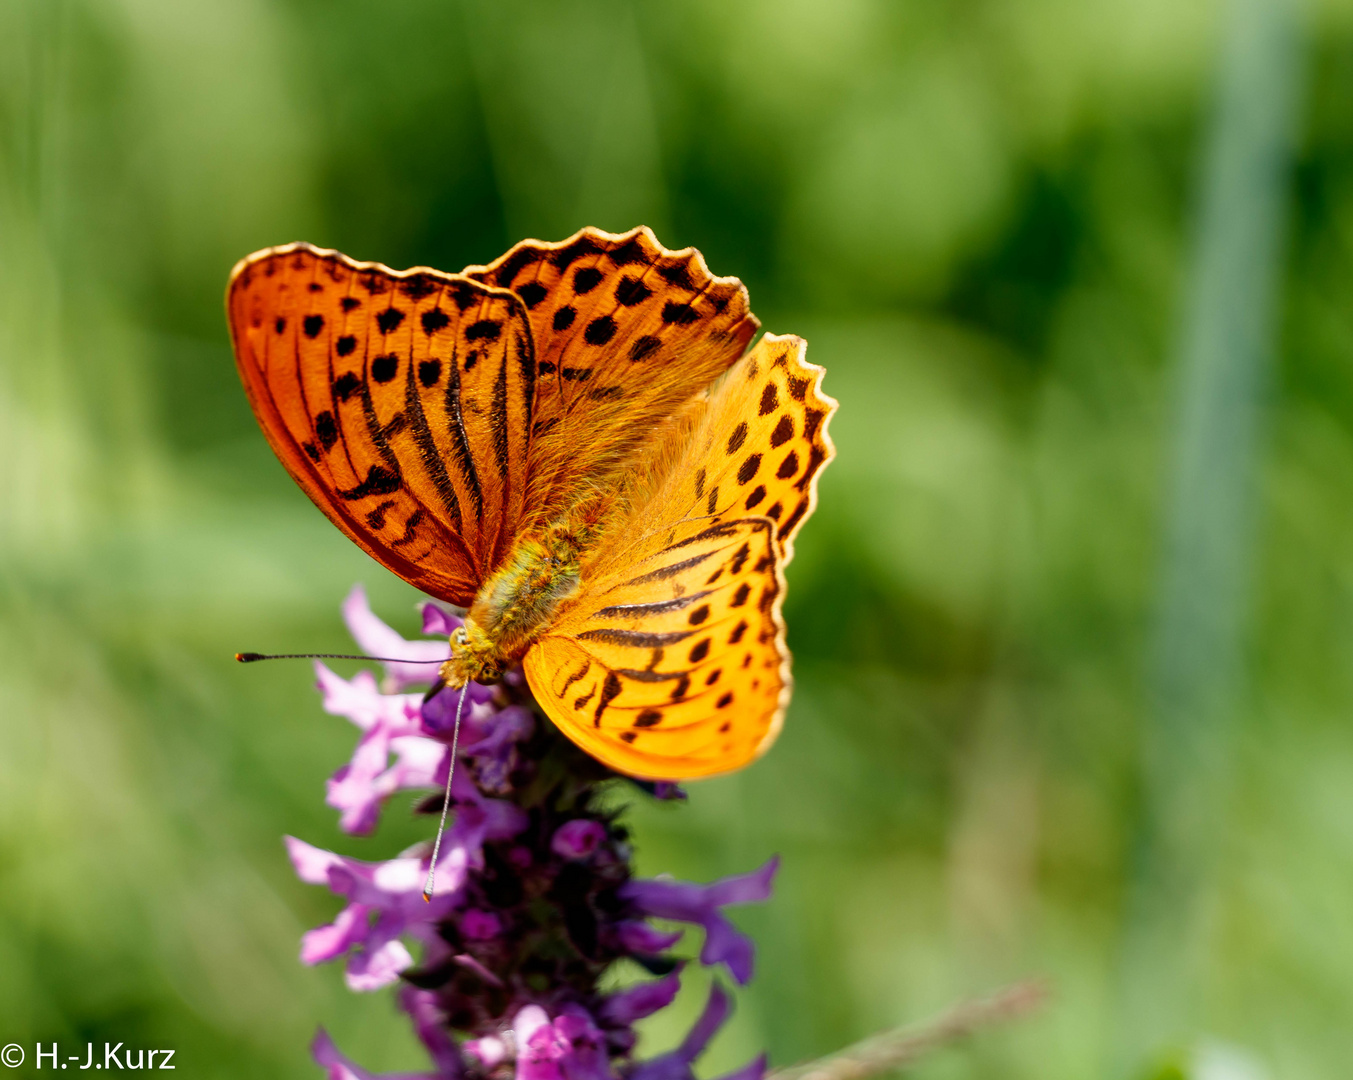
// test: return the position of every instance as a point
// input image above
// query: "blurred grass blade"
(1196, 655)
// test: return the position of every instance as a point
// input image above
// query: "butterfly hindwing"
(400, 402)
(625, 332)
(671, 661)
(675, 667)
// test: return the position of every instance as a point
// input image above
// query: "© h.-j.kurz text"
(93, 1056)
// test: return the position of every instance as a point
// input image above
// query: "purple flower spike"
(578, 839)
(500, 973)
(640, 938)
(677, 1065)
(627, 1006)
(380, 640)
(700, 904)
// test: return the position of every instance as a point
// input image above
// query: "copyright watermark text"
(92, 1056)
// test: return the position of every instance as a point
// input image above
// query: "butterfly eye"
(458, 636)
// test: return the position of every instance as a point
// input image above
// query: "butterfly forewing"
(400, 402)
(625, 333)
(675, 667)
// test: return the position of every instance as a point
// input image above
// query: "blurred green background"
(1073, 624)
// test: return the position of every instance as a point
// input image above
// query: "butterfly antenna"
(251, 657)
(446, 802)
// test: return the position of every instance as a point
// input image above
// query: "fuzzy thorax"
(520, 600)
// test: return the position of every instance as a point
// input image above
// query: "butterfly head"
(474, 657)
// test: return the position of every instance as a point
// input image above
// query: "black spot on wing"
(532, 293)
(609, 690)
(326, 430)
(738, 437)
(389, 319)
(784, 431)
(749, 468)
(567, 256)
(429, 371)
(586, 279)
(418, 286)
(379, 481)
(629, 252)
(385, 368)
(345, 385)
(350, 302)
(600, 330)
(312, 325)
(345, 345)
(681, 314)
(816, 456)
(513, 264)
(483, 330)
(648, 718)
(770, 399)
(563, 318)
(631, 291)
(789, 466)
(435, 320)
(678, 274)
(756, 496)
(466, 296)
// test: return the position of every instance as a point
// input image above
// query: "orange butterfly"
(571, 443)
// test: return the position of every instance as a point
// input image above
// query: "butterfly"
(575, 444)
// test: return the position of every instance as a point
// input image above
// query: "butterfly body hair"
(522, 598)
